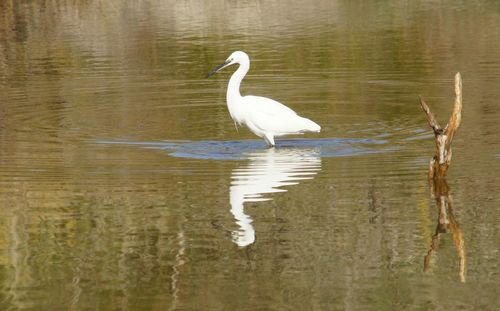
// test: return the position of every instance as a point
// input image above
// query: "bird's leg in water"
(236, 126)
(269, 140)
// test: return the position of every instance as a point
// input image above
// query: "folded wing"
(271, 116)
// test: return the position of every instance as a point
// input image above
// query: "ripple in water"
(239, 149)
(268, 170)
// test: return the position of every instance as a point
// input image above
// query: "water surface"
(124, 185)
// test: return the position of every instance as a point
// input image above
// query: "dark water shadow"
(239, 149)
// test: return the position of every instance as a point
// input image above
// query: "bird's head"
(237, 57)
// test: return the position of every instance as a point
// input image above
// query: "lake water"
(125, 186)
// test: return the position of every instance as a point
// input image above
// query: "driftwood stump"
(439, 164)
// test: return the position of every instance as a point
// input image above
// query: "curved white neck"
(233, 88)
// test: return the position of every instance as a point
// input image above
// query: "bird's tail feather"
(310, 126)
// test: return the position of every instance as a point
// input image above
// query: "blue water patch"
(240, 149)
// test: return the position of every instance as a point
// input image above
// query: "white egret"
(265, 117)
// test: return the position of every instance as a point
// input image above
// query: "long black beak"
(218, 68)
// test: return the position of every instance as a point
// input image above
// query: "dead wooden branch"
(439, 164)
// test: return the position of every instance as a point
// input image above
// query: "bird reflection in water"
(266, 172)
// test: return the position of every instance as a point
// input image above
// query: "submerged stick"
(439, 164)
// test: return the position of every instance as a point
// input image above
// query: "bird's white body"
(265, 117)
